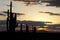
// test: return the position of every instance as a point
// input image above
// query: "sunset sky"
(31, 12)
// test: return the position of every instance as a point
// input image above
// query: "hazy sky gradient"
(31, 12)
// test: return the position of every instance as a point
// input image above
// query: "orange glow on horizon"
(42, 28)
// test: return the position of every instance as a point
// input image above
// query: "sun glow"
(36, 17)
(42, 28)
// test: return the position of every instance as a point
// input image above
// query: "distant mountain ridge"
(2, 22)
(41, 23)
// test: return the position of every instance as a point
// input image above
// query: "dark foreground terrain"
(30, 35)
(41, 33)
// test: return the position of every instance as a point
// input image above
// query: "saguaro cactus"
(34, 29)
(27, 28)
(12, 20)
(21, 27)
(7, 20)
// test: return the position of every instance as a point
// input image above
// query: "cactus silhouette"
(21, 27)
(34, 30)
(7, 20)
(11, 20)
(27, 29)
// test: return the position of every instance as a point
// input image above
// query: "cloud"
(22, 0)
(54, 3)
(13, 13)
(27, 0)
(18, 0)
(2, 14)
(54, 26)
(57, 14)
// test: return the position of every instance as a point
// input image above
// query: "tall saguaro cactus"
(11, 20)
(7, 20)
